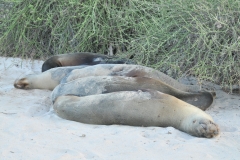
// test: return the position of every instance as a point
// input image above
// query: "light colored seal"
(93, 85)
(62, 74)
(45, 80)
(76, 59)
(137, 108)
(128, 70)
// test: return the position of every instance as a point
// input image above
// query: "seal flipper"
(142, 71)
(201, 100)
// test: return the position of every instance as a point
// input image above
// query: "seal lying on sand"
(137, 108)
(45, 80)
(65, 74)
(109, 94)
(158, 81)
(76, 59)
(93, 85)
(128, 70)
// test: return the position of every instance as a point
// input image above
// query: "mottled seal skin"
(93, 85)
(147, 77)
(126, 70)
(137, 108)
(76, 59)
(45, 80)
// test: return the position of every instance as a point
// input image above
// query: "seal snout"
(207, 128)
(21, 83)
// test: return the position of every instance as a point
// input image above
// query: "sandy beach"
(29, 128)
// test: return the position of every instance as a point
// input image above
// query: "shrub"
(186, 37)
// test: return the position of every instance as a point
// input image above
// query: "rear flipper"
(202, 100)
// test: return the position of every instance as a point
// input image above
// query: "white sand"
(29, 129)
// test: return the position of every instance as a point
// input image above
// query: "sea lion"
(63, 75)
(76, 59)
(45, 80)
(93, 85)
(128, 70)
(137, 108)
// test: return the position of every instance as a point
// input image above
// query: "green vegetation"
(185, 37)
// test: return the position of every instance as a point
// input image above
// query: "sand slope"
(29, 129)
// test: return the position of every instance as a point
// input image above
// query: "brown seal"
(76, 59)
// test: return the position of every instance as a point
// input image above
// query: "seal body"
(137, 108)
(123, 94)
(93, 85)
(128, 70)
(67, 74)
(76, 59)
(118, 77)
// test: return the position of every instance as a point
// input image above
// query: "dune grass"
(186, 37)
